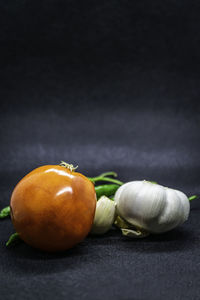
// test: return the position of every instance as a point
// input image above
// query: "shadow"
(22, 250)
(113, 232)
(27, 261)
(178, 239)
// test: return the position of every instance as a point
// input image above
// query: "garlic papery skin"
(104, 215)
(151, 207)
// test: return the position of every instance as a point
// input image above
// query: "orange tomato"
(52, 208)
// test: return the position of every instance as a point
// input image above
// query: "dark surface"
(107, 85)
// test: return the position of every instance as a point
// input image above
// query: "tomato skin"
(52, 208)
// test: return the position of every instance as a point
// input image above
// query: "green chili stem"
(95, 179)
(114, 174)
(192, 197)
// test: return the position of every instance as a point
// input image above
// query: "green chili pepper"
(13, 239)
(193, 197)
(106, 190)
(104, 177)
(5, 212)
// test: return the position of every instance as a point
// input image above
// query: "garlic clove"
(104, 215)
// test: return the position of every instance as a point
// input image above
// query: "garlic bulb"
(104, 215)
(151, 207)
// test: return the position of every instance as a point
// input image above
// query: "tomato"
(52, 208)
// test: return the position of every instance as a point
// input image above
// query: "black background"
(107, 85)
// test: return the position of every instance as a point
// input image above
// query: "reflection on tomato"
(52, 208)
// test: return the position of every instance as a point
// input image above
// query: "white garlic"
(104, 215)
(151, 207)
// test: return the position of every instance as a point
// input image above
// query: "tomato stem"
(68, 166)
